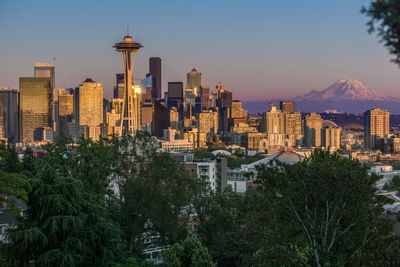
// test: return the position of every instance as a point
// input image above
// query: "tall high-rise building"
(45, 70)
(119, 87)
(10, 112)
(36, 107)
(66, 118)
(223, 101)
(287, 106)
(330, 136)
(205, 97)
(237, 111)
(174, 118)
(223, 96)
(275, 127)
(175, 90)
(275, 121)
(113, 116)
(175, 97)
(89, 108)
(147, 113)
(293, 128)
(312, 131)
(130, 116)
(376, 125)
(155, 72)
(2, 120)
(161, 119)
(193, 81)
(207, 122)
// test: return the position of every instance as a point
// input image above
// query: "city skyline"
(282, 51)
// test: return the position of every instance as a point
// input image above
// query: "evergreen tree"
(28, 162)
(12, 182)
(384, 18)
(49, 232)
(68, 221)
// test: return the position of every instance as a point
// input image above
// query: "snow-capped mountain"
(345, 90)
(346, 95)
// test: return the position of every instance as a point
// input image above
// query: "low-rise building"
(241, 178)
(177, 145)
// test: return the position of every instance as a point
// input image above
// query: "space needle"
(130, 116)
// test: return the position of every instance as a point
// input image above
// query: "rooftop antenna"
(127, 30)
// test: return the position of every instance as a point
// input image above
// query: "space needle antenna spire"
(130, 115)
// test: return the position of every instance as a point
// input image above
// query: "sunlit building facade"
(89, 108)
(376, 126)
(36, 107)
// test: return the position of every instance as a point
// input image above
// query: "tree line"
(95, 204)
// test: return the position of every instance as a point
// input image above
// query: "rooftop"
(39, 64)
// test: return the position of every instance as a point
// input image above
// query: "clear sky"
(258, 48)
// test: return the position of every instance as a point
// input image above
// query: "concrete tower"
(130, 116)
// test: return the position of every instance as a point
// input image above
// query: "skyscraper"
(155, 72)
(89, 108)
(293, 128)
(275, 127)
(45, 70)
(287, 106)
(193, 81)
(205, 97)
(376, 125)
(175, 97)
(36, 107)
(119, 88)
(330, 135)
(10, 111)
(175, 90)
(312, 131)
(2, 124)
(161, 119)
(66, 118)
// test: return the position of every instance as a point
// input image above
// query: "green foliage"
(12, 182)
(384, 18)
(220, 226)
(236, 160)
(189, 252)
(68, 221)
(28, 162)
(49, 232)
(201, 154)
(156, 201)
(9, 161)
(321, 211)
(132, 262)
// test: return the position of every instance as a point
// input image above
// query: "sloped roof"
(288, 157)
(221, 151)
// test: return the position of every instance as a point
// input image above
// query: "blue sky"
(259, 49)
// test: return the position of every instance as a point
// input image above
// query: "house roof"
(288, 157)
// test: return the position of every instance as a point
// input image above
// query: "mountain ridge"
(346, 90)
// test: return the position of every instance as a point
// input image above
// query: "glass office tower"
(36, 107)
